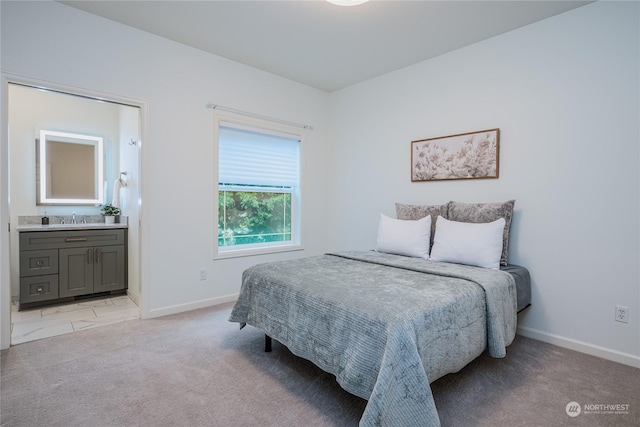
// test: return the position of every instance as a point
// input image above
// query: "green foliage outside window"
(253, 217)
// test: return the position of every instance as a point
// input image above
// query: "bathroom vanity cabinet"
(63, 265)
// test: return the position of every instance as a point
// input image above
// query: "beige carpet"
(198, 369)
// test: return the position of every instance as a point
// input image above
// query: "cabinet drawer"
(38, 263)
(33, 240)
(38, 288)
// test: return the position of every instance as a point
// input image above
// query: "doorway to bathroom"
(32, 109)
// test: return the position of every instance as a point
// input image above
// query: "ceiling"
(323, 45)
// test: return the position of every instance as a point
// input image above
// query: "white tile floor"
(35, 324)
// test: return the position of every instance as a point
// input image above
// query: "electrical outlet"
(203, 274)
(622, 314)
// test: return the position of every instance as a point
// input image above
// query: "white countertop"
(51, 227)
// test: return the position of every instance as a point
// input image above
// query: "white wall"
(130, 163)
(5, 255)
(565, 94)
(177, 173)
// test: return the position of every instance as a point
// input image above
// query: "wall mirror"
(69, 169)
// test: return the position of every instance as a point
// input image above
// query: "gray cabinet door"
(109, 268)
(76, 272)
(38, 263)
(38, 288)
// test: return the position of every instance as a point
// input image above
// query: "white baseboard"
(582, 347)
(180, 308)
(134, 297)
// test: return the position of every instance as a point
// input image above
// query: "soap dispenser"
(45, 219)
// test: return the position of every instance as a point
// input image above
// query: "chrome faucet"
(73, 218)
(84, 219)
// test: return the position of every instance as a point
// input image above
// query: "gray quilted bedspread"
(386, 326)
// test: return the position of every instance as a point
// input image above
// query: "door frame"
(5, 237)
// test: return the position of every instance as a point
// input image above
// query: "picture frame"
(471, 155)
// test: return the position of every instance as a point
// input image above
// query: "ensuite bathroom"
(74, 211)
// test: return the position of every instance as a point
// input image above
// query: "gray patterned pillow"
(415, 212)
(485, 212)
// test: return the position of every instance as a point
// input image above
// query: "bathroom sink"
(87, 226)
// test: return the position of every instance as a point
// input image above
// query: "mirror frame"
(73, 138)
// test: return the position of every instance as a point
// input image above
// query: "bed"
(386, 324)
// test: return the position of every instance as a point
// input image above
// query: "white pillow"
(404, 237)
(478, 244)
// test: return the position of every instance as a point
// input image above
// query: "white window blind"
(262, 159)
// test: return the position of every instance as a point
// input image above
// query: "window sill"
(241, 252)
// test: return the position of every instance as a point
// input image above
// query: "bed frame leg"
(267, 343)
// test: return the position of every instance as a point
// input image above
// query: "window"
(258, 189)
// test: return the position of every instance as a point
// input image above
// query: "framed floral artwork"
(470, 155)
